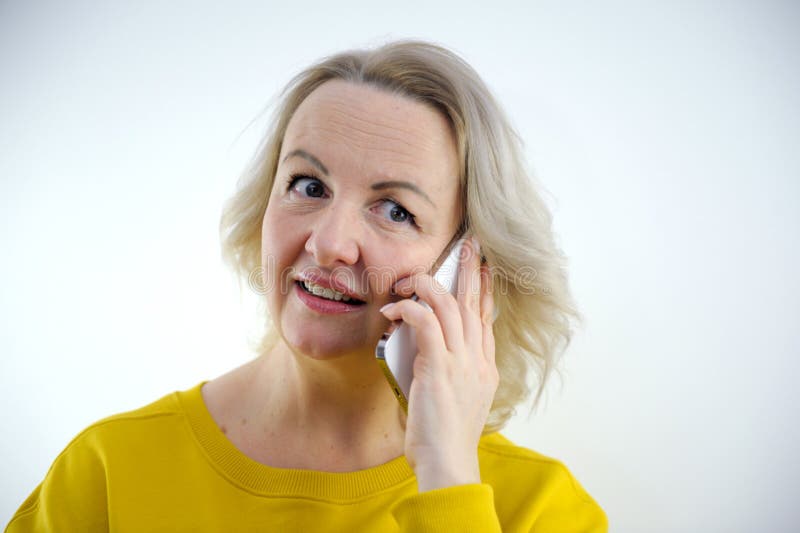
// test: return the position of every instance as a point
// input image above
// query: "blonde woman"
(375, 161)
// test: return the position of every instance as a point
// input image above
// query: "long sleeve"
(461, 508)
(562, 506)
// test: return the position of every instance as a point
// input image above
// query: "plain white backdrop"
(666, 132)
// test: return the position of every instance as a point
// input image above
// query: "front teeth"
(325, 292)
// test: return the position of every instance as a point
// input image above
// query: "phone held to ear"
(397, 348)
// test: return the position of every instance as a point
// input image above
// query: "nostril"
(332, 245)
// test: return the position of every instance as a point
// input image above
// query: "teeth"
(325, 292)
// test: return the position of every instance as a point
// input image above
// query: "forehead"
(356, 129)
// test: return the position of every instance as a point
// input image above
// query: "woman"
(375, 161)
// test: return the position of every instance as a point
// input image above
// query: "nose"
(335, 237)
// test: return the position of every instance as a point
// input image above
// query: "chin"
(325, 347)
(324, 338)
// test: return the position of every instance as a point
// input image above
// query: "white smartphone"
(397, 348)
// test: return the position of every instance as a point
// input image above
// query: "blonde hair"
(503, 207)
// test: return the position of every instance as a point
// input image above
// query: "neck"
(340, 411)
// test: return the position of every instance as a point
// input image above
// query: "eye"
(396, 212)
(306, 186)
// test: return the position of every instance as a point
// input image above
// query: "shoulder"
(119, 433)
(496, 448)
(135, 431)
(504, 461)
(122, 426)
(76, 487)
(542, 485)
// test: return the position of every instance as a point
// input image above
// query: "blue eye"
(397, 213)
(307, 186)
(311, 187)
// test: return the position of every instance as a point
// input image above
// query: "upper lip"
(329, 283)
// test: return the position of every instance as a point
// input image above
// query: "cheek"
(392, 263)
(280, 243)
(277, 232)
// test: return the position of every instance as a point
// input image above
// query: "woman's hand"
(455, 376)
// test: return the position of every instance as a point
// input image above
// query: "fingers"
(469, 276)
(422, 319)
(460, 317)
(444, 307)
(469, 291)
(487, 315)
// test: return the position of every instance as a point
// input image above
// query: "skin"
(318, 399)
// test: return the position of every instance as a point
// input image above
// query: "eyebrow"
(381, 185)
(308, 157)
(395, 184)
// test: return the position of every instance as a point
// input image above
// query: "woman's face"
(366, 193)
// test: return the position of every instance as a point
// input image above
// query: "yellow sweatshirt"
(168, 467)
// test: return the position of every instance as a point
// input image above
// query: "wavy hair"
(504, 208)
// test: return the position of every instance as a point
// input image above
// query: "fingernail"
(399, 286)
(476, 245)
(387, 306)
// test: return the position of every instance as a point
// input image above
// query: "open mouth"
(328, 294)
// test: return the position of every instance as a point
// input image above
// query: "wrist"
(438, 475)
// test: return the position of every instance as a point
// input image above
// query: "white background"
(667, 132)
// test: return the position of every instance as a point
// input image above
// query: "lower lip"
(321, 305)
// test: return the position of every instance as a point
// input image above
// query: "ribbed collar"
(272, 481)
